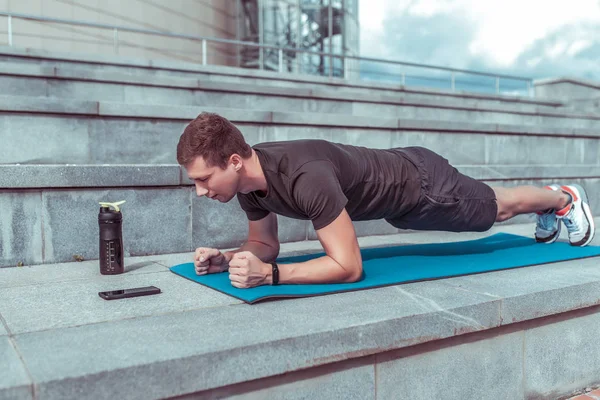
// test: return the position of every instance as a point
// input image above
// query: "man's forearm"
(261, 250)
(319, 270)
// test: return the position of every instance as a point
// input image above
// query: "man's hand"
(209, 261)
(246, 270)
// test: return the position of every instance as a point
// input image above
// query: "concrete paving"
(75, 344)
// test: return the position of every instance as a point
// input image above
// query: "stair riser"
(25, 86)
(56, 139)
(160, 71)
(52, 226)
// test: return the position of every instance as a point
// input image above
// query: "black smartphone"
(133, 292)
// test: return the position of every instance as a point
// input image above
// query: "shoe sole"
(553, 238)
(588, 215)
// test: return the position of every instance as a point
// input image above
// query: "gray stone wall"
(566, 89)
(540, 359)
(42, 226)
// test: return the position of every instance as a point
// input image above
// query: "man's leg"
(451, 201)
(527, 199)
(552, 204)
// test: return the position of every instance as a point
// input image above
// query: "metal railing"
(262, 47)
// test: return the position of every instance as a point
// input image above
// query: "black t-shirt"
(315, 179)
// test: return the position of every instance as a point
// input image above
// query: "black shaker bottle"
(111, 238)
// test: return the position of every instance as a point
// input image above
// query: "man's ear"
(236, 160)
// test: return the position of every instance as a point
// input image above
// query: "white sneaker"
(577, 216)
(547, 228)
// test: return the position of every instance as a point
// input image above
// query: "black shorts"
(449, 200)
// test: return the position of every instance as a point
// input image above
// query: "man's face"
(214, 182)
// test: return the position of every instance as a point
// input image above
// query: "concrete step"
(86, 84)
(161, 175)
(506, 329)
(591, 105)
(48, 214)
(91, 132)
(59, 340)
(92, 66)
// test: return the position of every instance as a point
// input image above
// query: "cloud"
(572, 50)
(435, 39)
(533, 38)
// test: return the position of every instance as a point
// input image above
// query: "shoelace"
(547, 221)
(572, 222)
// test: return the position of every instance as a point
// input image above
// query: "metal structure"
(287, 55)
(323, 26)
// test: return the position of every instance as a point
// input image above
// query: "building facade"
(294, 26)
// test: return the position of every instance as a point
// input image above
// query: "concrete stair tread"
(167, 67)
(401, 97)
(55, 106)
(188, 338)
(23, 176)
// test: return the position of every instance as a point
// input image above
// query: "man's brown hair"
(213, 138)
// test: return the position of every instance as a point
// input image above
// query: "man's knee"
(506, 203)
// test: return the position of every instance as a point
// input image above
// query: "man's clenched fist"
(209, 261)
(246, 270)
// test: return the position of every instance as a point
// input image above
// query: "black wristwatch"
(275, 277)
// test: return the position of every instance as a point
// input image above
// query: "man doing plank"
(333, 184)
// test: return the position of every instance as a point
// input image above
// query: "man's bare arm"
(343, 262)
(263, 251)
(262, 240)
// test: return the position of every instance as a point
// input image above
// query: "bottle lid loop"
(114, 205)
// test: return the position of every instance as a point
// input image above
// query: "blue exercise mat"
(402, 264)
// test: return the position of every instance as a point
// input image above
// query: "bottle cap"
(114, 205)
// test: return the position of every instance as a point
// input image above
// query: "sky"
(531, 38)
